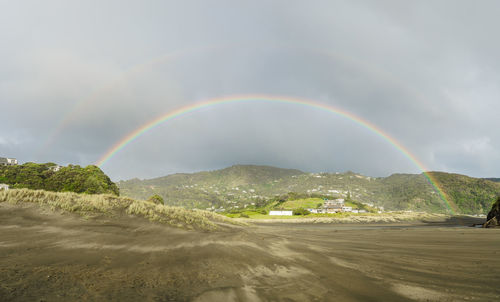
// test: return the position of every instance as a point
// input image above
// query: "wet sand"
(46, 256)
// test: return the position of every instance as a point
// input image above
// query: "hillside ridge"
(248, 185)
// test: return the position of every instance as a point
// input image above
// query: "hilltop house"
(5, 161)
(4, 187)
(55, 168)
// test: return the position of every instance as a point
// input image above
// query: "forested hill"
(471, 195)
(242, 185)
(51, 177)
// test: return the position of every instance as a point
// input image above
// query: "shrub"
(156, 199)
(301, 211)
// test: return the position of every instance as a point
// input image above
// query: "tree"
(301, 211)
(72, 178)
(348, 197)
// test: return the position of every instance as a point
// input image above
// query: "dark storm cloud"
(425, 72)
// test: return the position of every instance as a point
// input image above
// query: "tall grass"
(90, 205)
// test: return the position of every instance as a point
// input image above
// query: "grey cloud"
(424, 72)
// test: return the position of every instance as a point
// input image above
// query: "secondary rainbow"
(270, 99)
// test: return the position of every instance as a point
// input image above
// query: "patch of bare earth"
(46, 256)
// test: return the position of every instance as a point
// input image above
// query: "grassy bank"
(109, 205)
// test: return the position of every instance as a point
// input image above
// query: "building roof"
(7, 158)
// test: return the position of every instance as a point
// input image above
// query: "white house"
(333, 209)
(4, 187)
(282, 213)
(346, 209)
(4, 161)
(55, 168)
(317, 211)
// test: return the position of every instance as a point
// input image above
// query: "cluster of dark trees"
(72, 178)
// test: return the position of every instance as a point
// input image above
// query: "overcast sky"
(78, 76)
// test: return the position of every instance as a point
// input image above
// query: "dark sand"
(45, 256)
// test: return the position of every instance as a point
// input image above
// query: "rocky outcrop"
(493, 218)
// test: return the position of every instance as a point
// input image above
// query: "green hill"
(72, 178)
(470, 195)
(248, 186)
(213, 188)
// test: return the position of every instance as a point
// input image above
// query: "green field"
(305, 203)
(311, 203)
(302, 203)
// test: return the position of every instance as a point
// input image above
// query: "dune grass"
(345, 217)
(109, 205)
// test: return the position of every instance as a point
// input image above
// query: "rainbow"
(270, 99)
(138, 69)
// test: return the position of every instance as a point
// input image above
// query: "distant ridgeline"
(52, 177)
(493, 179)
(247, 185)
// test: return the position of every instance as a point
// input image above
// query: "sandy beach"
(47, 256)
